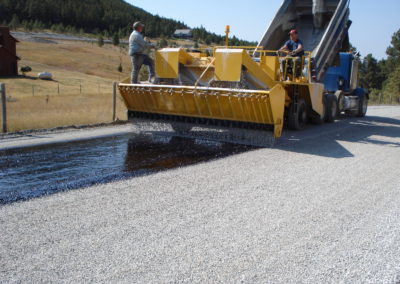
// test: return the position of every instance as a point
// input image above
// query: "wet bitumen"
(42, 170)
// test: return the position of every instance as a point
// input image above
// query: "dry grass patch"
(79, 57)
(77, 68)
(47, 112)
(81, 89)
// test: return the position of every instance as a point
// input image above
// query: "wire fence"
(46, 108)
(379, 98)
(55, 88)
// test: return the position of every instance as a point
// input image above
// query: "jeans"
(137, 61)
(291, 62)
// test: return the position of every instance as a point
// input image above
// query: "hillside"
(106, 17)
(80, 92)
(92, 16)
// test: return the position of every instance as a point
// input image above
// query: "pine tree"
(370, 73)
(100, 41)
(116, 39)
(15, 23)
(393, 52)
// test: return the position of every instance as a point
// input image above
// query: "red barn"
(8, 53)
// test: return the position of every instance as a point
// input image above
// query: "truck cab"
(341, 81)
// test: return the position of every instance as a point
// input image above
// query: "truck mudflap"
(217, 104)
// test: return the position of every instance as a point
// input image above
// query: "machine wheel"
(331, 108)
(362, 106)
(298, 120)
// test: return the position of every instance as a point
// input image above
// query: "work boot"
(153, 80)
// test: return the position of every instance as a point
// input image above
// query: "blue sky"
(374, 22)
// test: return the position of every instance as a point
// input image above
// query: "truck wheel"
(362, 106)
(298, 121)
(331, 110)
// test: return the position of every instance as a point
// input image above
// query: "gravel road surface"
(44, 137)
(323, 206)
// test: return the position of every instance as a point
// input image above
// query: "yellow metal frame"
(263, 107)
(228, 66)
(168, 60)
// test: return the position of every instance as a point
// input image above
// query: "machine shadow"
(158, 153)
(324, 140)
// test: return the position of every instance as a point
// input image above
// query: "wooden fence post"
(114, 101)
(4, 106)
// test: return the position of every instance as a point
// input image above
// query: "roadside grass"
(80, 92)
(82, 57)
(77, 68)
(53, 111)
(65, 83)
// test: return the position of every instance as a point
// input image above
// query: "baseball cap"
(293, 32)
(137, 24)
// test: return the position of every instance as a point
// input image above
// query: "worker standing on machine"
(294, 48)
(138, 48)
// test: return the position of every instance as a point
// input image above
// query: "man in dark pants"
(295, 49)
(138, 48)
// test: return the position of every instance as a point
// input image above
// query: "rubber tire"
(331, 108)
(298, 121)
(361, 110)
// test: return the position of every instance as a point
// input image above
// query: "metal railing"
(291, 64)
(295, 70)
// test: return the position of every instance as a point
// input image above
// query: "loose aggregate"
(322, 206)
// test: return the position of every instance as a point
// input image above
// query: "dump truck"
(246, 88)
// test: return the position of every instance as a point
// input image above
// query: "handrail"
(305, 71)
(259, 49)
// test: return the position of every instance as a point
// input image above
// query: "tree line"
(382, 77)
(100, 17)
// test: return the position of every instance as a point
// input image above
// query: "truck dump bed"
(322, 25)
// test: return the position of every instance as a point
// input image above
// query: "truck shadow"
(327, 140)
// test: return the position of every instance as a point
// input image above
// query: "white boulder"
(45, 75)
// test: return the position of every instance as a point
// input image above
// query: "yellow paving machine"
(246, 87)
